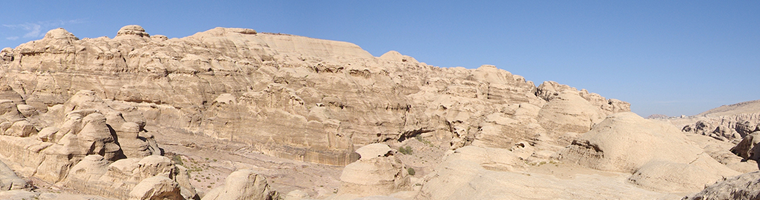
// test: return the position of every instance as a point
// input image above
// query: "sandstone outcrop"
(9, 180)
(269, 89)
(74, 112)
(656, 154)
(728, 122)
(745, 186)
(146, 178)
(748, 147)
(157, 187)
(491, 173)
(78, 144)
(243, 185)
(377, 172)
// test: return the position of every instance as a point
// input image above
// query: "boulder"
(156, 188)
(132, 30)
(378, 172)
(748, 148)
(243, 185)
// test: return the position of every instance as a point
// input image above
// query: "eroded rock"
(243, 184)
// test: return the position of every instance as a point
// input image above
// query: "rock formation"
(748, 148)
(491, 173)
(9, 180)
(74, 112)
(745, 186)
(656, 153)
(729, 122)
(243, 185)
(268, 89)
(134, 178)
(377, 172)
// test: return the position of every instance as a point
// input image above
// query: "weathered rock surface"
(745, 186)
(9, 180)
(243, 185)
(728, 122)
(73, 112)
(157, 187)
(269, 89)
(27, 195)
(748, 147)
(378, 172)
(491, 173)
(656, 153)
(77, 145)
(155, 175)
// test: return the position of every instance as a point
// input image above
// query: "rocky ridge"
(92, 113)
(295, 97)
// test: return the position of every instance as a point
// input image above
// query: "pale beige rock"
(548, 89)
(720, 151)
(674, 177)
(467, 173)
(745, 186)
(656, 153)
(156, 188)
(296, 195)
(287, 96)
(21, 129)
(272, 86)
(374, 151)
(132, 30)
(568, 112)
(9, 180)
(91, 168)
(728, 122)
(17, 195)
(55, 196)
(155, 165)
(120, 179)
(395, 56)
(378, 172)
(243, 185)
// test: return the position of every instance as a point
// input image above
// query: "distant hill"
(734, 109)
(657, 116)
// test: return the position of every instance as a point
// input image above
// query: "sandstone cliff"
(295, 97)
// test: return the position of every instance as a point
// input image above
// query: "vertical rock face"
(290, 96)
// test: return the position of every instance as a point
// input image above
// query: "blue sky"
(667, 57)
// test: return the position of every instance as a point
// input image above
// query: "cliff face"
(296, 97)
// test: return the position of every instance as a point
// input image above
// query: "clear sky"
(666, 57)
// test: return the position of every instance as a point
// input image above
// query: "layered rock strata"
(296, 97)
